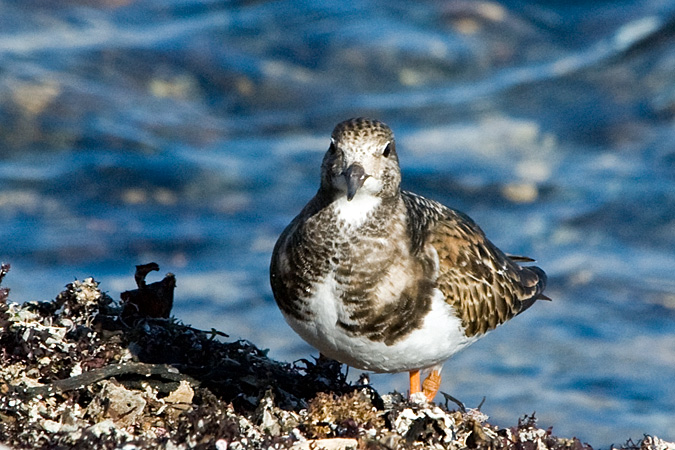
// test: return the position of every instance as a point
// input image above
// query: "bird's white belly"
(439, 337)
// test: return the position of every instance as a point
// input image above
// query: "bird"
(385, 280)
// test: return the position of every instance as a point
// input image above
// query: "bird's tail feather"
(538, 279)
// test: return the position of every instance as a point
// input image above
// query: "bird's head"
(361, 159)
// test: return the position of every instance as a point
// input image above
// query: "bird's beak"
(355, 176)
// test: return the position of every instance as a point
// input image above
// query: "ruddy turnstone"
(385, 280)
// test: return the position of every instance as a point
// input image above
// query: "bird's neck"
(352, 214)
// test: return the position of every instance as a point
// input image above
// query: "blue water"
(190, 133)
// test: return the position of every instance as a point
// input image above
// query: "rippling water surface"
(190, 133)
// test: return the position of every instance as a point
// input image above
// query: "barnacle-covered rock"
(75, 374)
(348, 415)
(649, 443)
(115, 402)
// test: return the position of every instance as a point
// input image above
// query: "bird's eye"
(387, 150)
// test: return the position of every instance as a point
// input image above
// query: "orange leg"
(431, 384)
(414, 382)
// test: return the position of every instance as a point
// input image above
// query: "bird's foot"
(432, 384)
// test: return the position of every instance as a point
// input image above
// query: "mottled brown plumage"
(386, 280)
(315, 244)
(485, 286)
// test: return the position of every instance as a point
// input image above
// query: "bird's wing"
(485, 286)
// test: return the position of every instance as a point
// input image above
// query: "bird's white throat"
(353, 213)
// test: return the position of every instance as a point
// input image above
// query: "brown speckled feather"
(485, 286)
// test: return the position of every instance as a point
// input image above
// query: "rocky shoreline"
(84, 371)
